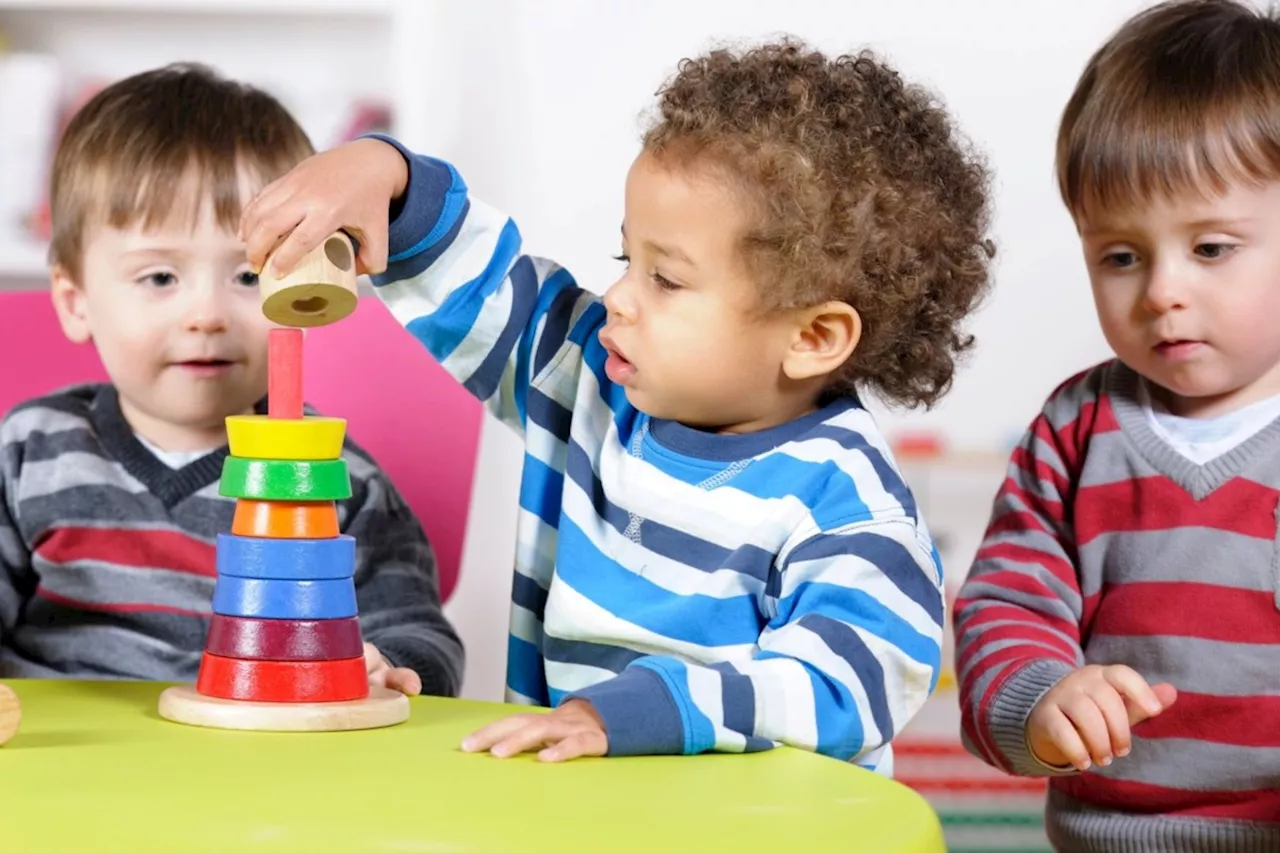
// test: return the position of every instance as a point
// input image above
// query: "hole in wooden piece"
(310, 305)
(338, 253)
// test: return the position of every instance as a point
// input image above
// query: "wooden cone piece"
(10, 714)
(320, 290)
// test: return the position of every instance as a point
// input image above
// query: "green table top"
(94, 767)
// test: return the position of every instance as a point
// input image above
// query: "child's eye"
(1119, 260)
(623, 258)
(1214, 251)
(248, 279)
(158, 279)
(664, 282)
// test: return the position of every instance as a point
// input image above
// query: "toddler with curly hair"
(716, 550)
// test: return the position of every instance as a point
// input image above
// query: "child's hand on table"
(1085, 719)
(349, 187)
(383, 674)
(570, 731)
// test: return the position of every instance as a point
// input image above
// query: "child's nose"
(618, 300)
(207, 311)
(1164, 291)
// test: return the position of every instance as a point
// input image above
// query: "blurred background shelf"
(361, 8)
(342, 67)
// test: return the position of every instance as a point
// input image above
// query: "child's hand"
(572, 730)
(349, 187)
(1086, 717)
(382, 674)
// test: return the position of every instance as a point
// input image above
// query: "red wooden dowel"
(284, 373)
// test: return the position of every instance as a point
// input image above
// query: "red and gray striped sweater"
(1107, 546)
(107, 554)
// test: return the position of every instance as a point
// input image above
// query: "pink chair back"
(420, 425)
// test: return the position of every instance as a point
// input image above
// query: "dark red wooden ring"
(284, 639)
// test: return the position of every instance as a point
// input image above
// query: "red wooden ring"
(284, 639)
(283, 681)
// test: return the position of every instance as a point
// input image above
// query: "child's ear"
(69, 302)
(826, 336)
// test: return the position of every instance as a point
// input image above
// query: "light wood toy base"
(10, 714)
(383, 707)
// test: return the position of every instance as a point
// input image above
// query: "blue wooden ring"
(281, 599)
(286, 559)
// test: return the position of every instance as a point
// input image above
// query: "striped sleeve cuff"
(430, 209)
(639, 714)
(1011, 707)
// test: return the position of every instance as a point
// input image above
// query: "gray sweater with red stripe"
(1107, 546)
(107, 554)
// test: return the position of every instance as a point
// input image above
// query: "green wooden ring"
(285, 479)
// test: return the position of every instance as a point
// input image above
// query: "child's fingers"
(373, 659)
(1091, 726)
(1116, 715)
(1061, 732)
(542, 730)
(265, 199)
(405, 680)
(575, 746)
(486, 737)
(268, 233)
(308, 234)
(1166, 693)
(1143, 702)
(268, 222)
(372, 258)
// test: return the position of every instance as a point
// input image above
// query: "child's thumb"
(1166, 694)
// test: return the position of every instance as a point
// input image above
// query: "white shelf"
(344, 8)
(338, 52)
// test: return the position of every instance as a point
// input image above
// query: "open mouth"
(617, 368)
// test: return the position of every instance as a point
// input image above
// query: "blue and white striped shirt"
(703, 591)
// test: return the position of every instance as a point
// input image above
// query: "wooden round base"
(11, 714)
(384, 707)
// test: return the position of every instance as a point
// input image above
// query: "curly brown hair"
(864, 194)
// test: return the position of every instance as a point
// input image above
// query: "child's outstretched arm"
(850, 653)
(449, 267)
(1029, 704)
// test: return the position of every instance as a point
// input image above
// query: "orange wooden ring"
(285, 519)
(283, 681)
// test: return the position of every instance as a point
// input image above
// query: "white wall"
(549, 97)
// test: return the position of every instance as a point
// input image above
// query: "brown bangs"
(1184, 99)
(151, 145)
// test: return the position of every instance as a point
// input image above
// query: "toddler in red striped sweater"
(1120, 629)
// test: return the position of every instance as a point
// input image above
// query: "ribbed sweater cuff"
(1007, 715)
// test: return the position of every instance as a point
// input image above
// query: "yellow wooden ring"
(310, 438)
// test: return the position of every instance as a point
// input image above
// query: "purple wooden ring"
(284, 639)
